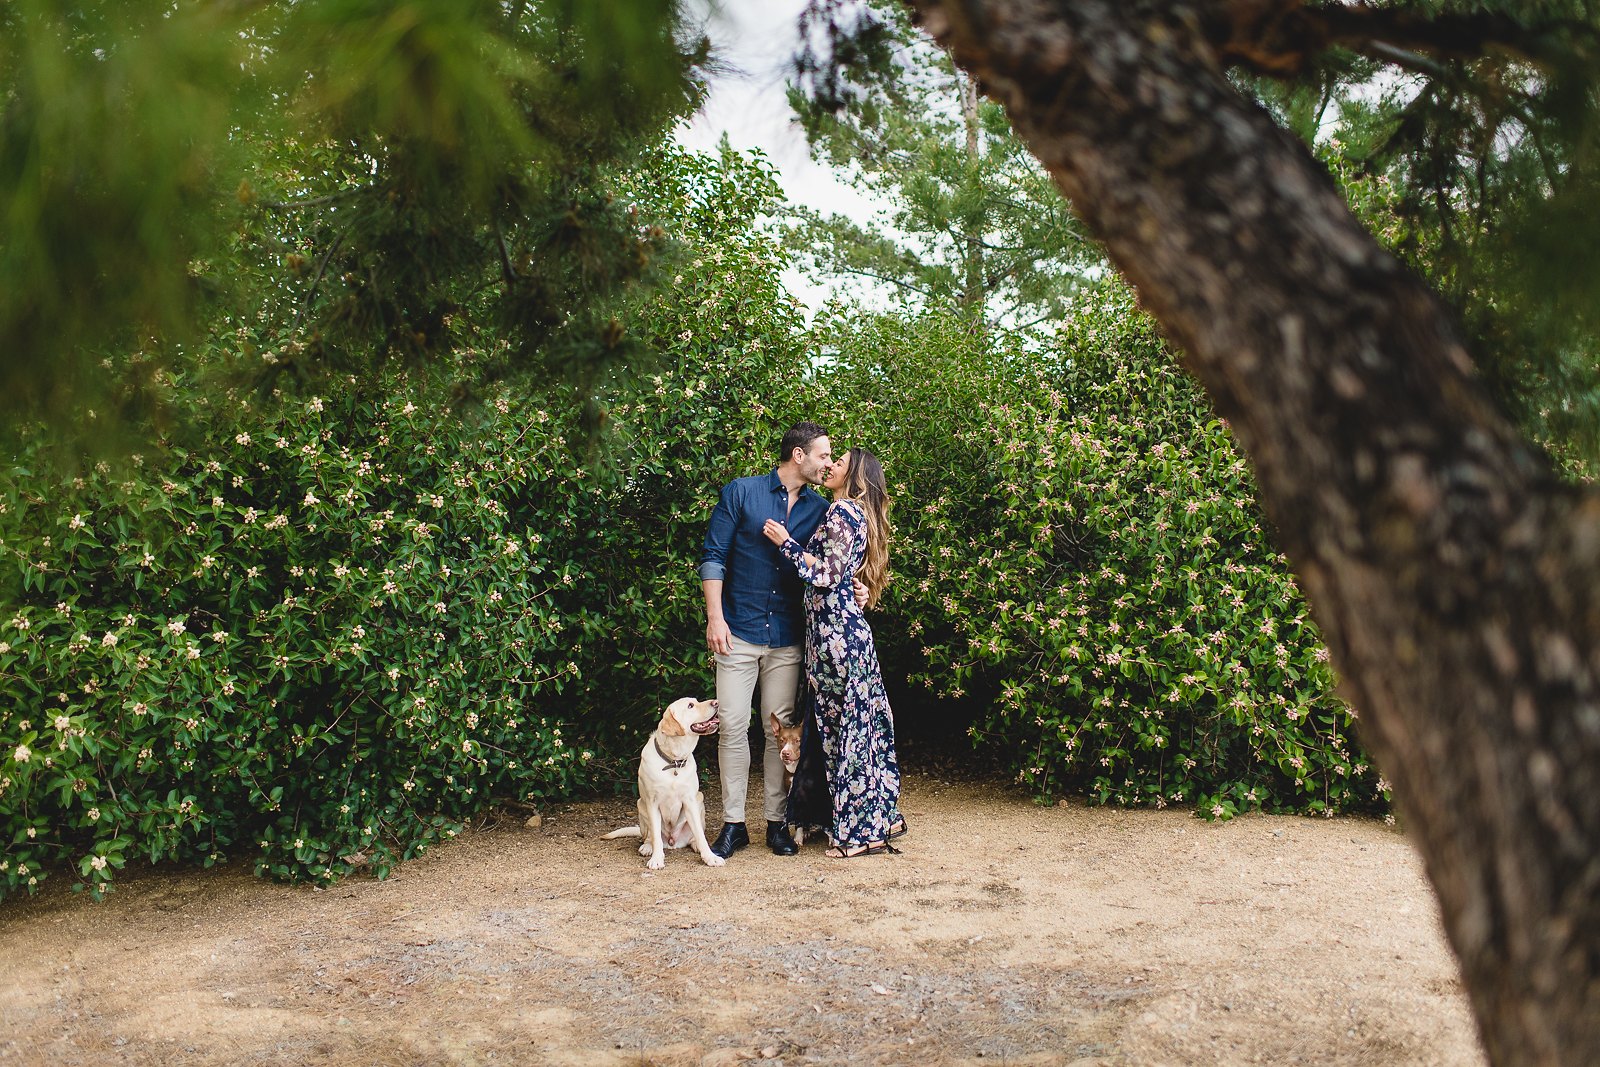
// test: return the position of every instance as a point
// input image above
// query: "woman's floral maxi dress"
(852, 709)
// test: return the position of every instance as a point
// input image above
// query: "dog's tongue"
(707, 727)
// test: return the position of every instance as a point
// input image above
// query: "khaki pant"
(737, 672)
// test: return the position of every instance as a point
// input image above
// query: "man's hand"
(859, 588)
(719, 639)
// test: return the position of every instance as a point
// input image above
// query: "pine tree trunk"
(974, 296)
(1453, 575)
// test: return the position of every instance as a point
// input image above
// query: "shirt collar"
(775, 484)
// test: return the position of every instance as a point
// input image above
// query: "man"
(755, 624)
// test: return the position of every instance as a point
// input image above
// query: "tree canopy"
(336, 184)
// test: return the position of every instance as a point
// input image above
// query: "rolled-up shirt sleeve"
(719, 536)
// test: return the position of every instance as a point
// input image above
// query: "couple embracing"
(786, 577)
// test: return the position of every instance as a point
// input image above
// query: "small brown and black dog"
(788, 738)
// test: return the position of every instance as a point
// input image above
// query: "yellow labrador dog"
(672, 810)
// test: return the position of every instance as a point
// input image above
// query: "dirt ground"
(1005, 933)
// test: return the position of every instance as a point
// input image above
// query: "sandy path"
(1004, 933)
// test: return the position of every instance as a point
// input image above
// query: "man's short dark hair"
(800, 435)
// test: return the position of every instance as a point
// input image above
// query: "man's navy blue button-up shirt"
(760, 590)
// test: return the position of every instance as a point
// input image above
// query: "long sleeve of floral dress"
(833, 547)
(841, 662)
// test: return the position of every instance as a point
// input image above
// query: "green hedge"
(319, 647)
(333, 627)
(1078, 545)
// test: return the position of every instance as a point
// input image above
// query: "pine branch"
(1284, 38)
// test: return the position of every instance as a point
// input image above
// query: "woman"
(853, 718)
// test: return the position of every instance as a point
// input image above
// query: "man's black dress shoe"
(733, 837)
(778, 840)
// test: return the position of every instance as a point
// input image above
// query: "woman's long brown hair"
(863, 483)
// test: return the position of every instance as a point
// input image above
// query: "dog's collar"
(672, 764)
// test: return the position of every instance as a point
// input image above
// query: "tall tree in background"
(1451, 570)
(970, 220)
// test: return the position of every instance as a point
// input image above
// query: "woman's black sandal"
(904, 826)
(850, 852)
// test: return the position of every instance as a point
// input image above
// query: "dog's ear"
(671, 724)
(777, 723)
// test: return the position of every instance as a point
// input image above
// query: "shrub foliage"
(330, 626)
(1079, 547)
(334, 626)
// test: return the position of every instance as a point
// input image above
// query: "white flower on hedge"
(409, 409)
(76, 523)
(242, 439)
(109, 640)
(438, 607)
(315, 405)
(219, 636)
(192, 652)
(22, 754)
(62, 723)
(175, 627)
(207, 562)
(311, 499)
(20, 622)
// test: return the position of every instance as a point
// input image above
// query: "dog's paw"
(645, 849)
(712, 859)
(656, 862)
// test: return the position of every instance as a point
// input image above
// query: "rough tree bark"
(1453, 575)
